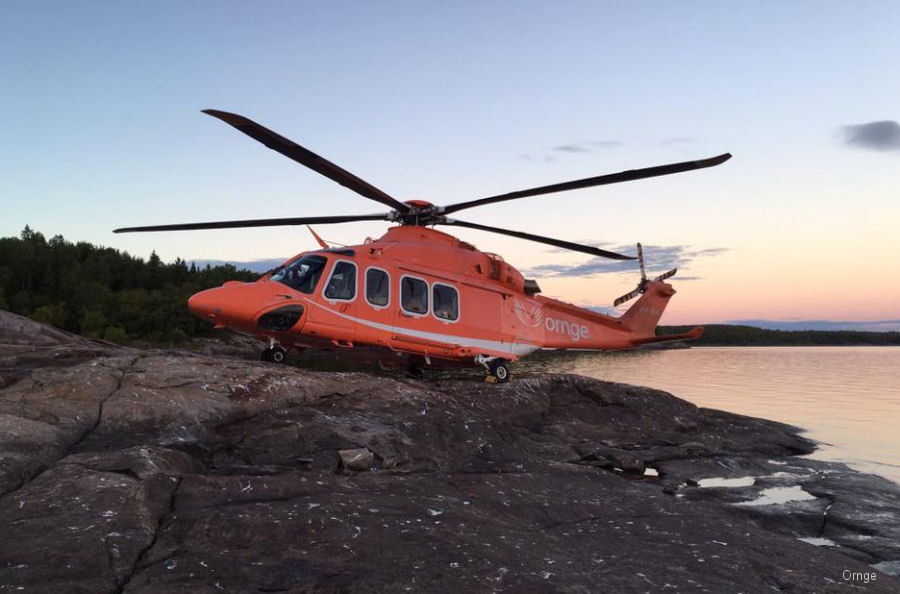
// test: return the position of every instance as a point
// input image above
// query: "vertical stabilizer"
(642, 317)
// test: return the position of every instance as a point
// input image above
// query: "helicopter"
(419, 294)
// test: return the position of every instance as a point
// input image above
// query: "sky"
(449, 102)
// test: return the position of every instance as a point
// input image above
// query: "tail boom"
(569, 327)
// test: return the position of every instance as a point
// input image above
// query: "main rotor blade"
(602, 180)
(292, 150)
(257, 223)
(576, 247)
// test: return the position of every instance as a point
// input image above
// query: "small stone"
(685, 426)
(670, 488)
(629, 464)
(693, 446)
(357, 459)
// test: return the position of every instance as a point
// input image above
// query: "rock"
(357, 459)
(684, 425)
(670, 487)
(140, 471)
(693, 447)
(629, 463)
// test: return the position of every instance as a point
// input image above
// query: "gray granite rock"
(146, 471)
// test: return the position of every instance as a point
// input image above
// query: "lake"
(848, 398)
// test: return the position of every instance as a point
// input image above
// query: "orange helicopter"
(419, 293)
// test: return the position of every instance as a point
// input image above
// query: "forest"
(734, 335)
(102, 292)
(105, 293)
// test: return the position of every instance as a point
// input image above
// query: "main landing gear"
(274, 353)
(497, 369)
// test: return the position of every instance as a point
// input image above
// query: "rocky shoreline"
(126, 470)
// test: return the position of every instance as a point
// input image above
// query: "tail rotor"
(642, 285)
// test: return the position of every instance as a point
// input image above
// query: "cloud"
(571, 148)
(679, 144)
(676, 140)
(709, 252)
(656, 257)
(602, 309)
(879, 136)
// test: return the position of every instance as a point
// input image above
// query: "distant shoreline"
(734, 335)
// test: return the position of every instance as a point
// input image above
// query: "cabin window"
(445, 302)
(414, 295)
(301, 275)
(342, 284)
(378, 287)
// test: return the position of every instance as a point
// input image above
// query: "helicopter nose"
(236, 304)
(207, 304)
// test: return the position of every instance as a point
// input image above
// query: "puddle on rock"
(818, 541)
(777, 495)
(888, 567)
(741, 481)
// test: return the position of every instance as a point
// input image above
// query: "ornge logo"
(574, 331)
(529, 316)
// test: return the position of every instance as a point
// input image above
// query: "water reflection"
(847, 397)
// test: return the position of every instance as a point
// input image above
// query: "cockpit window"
(303, 274)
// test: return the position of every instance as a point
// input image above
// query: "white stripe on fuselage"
(520, 349)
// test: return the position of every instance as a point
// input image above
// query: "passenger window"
(342, 284)
(446, 302)
(378, 290)
(414, 295)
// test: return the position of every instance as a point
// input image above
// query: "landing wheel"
(500, 370)
(275, 354)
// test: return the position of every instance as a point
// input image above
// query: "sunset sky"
(448, 102)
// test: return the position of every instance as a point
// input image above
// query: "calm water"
(847, 397)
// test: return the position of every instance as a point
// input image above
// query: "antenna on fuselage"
(321, 241)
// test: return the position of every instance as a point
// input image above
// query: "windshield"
(303, 274)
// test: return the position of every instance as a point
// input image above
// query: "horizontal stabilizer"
(693, 333)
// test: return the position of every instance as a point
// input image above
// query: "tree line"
(733, 335)
(104, 293)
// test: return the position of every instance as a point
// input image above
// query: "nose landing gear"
(274, 353)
